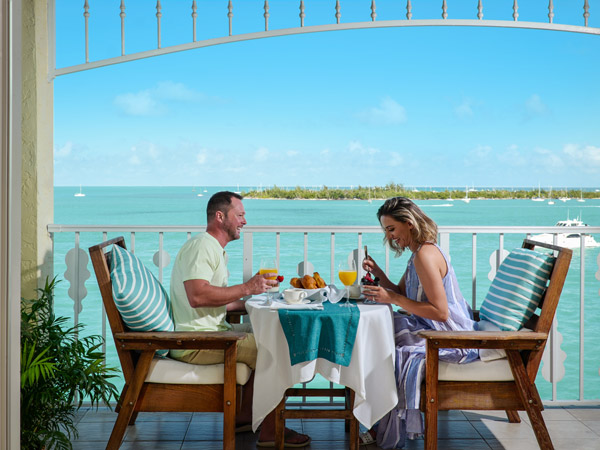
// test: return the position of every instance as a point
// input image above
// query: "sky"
(419, 106)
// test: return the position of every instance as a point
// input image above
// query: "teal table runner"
(329, 333)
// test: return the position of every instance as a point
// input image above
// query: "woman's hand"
(378, 294)
(370, 265)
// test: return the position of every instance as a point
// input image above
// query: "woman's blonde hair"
(404, 210)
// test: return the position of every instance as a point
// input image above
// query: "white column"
(10, 223)
(37, 201)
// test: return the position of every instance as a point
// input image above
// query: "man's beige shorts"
(246, 350)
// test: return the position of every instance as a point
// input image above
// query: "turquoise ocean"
(158, 206)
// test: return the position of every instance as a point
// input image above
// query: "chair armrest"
(512, 340)
(183, 340)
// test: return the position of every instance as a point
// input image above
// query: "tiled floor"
(570, 428)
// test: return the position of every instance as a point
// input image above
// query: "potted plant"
(60, 369)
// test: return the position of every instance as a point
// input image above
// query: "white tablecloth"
(370, 373)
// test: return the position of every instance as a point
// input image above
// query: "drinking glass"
(269, 265)
(347, 273)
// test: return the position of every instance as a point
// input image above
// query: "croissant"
(309, 282)
(296, 282)
(320, 281)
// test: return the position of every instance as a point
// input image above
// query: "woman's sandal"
(288, 434)
(366, 438)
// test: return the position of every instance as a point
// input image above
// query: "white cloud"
(261, 154)
(137, 104)
(548, 159)
(153, 101)
(512, 156)
(464, 110)
(535, 106)
(586, 158)
(63, 151)
(395, 159)
(201, 157)
(292, 153)
(389, 112)
(357, 148)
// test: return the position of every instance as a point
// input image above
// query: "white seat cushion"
(496, 370)
(167, 370)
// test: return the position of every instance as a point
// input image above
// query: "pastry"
(320, 281)
(309, 282)
(296, 282)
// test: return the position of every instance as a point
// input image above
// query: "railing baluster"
(444, 10)
(86, 15)
(277, 247)
(160, 256)
(305, 265)
(247, 261)
(515, 9)
(551, 11)
(302, 14)
(408, 10)
(158, 16)
(586, 11)
(132, 242)
(122, 15)
(338, 14)
(500, 248)
(230, 16)
(480, 10)
(581, 314)
(266, 14)
(373, 13)
(194, 18)
(474, 272)
(332, 259)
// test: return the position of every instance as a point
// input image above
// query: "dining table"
(369, 373)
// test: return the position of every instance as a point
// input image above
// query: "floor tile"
(570, 429)
(157, 431)
(593, 425)
(584, 413)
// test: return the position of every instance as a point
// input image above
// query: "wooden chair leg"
(513, 416)
(229, 397)
(431, 398)
(130, 400)
(133, 418)
(280, 425)
(530, 398)
(352, 422)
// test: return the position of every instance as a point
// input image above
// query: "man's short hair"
(221, 201)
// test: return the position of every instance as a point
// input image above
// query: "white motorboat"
(568, 240)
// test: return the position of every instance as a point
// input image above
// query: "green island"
(394, 190)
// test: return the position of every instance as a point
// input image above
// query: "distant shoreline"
(396, 190)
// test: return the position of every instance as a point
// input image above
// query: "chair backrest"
(100, 262)
(542, 321)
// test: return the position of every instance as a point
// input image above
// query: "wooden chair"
(523, 350)
(136, 353)
(351, 423)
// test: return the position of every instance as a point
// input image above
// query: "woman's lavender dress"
(406, 419)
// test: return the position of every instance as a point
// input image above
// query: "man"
(200, 298)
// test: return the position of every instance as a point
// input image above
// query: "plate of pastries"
(310, 283)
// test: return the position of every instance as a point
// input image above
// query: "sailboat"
(79, 194)
(466, 199)
(539, 196)
(580, 199)
(551, 200)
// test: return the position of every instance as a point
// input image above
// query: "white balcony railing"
(568, 374)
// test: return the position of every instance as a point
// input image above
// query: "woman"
(429, 292)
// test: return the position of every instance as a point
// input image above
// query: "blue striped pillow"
(139, 296)
(517, 288)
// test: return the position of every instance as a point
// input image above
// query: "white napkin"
(279, 303)
(330, 292)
